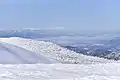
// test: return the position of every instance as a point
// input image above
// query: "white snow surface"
(109, 71)
(25, 53)
(10, 54)
(51, 50)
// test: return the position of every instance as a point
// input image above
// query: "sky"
(66, 14)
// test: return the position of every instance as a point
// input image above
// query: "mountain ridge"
(54, 51)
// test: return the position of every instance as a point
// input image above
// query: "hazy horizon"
(68, 14)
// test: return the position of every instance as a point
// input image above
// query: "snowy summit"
(52, 51)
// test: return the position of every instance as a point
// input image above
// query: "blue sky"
(77, 14)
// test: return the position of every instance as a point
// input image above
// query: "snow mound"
(51, 50)
(10, 54)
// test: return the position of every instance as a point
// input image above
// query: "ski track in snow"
(11, 54)
(14, 53)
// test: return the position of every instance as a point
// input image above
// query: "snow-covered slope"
(109, 71)
(10, 54)
(51, 50)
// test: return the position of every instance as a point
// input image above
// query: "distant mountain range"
(108, 49)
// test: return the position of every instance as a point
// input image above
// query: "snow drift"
(10, 54)
(51, 50)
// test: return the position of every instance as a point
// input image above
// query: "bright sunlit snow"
(51, 50)
(10, 54)
(24, 53)
(110, 71)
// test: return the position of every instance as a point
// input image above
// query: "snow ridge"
(51, 50)
(11, 54)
